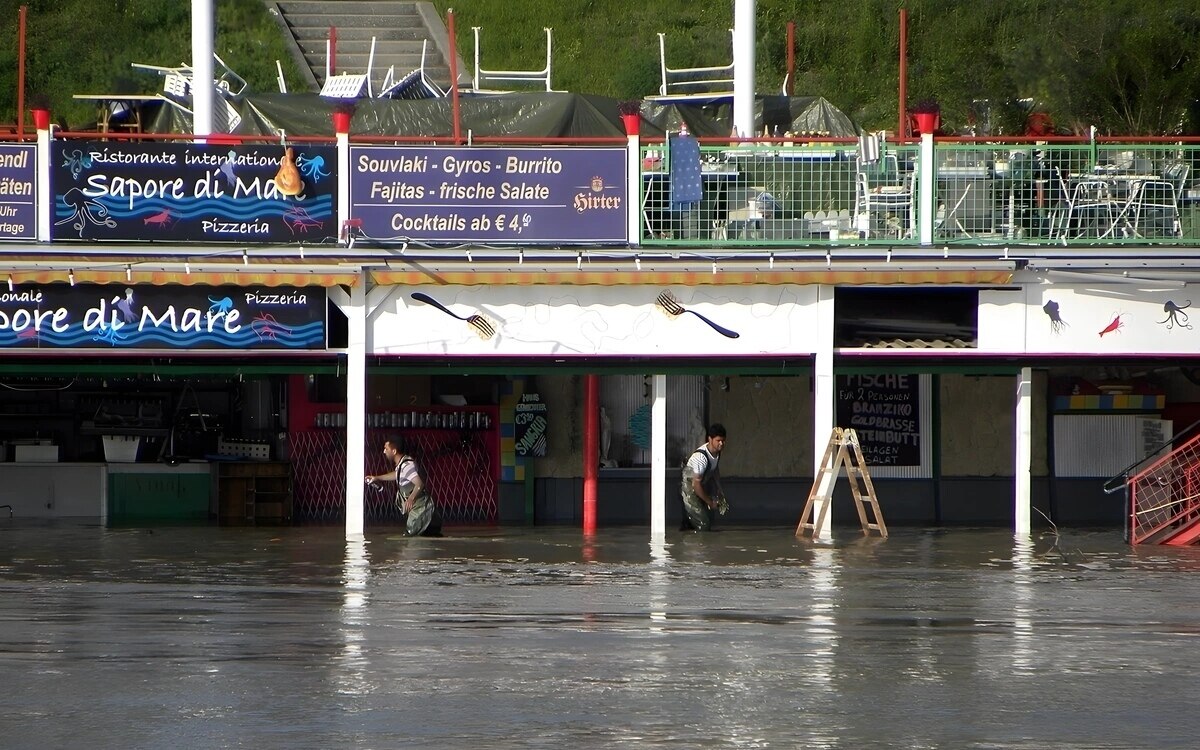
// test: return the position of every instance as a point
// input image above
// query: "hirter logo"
(597, 184)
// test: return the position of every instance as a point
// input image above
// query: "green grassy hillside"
(1127, 66)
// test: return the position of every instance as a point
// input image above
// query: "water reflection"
(353, 665)
(540, 638)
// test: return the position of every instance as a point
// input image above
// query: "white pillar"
(356, 407)
(633, 183)
(743, 67)
(202, 66)
(926, 188)
(44, 199)
(1024, 452)
(824, 392)
(658, 458)
(342, 143)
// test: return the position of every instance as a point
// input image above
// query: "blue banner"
(489, 195)
(140, 316)
(18, 211)
(193, 192)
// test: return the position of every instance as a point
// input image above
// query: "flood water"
(538, 638)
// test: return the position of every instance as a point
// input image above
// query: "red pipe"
(453, 77)
(21, 71)
(591, 450)
(332, 51)
(791, 58)
(902, 128)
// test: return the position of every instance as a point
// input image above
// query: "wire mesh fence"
(833, 191)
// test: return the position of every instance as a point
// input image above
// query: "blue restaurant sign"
(142, 316)
(18, 214)
(490, 195)
(193, 192)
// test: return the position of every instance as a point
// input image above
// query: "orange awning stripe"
(215, 278)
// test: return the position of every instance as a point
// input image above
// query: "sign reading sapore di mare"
(112, 316)
(884, 411)
(193, 192)
(496, 195)
(18, 214)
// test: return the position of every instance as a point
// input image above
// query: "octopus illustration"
(1057, 324)
(1176, 315)
(109, 336)
(77, 161)
(312, 167)
(219, 307)
(85, 211)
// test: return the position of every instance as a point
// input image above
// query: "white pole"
(633, 182)
(823, 400)
(356, 407)
(202, 67)
(743, 67)
(44, 200)
(342, 143)
(658, 459)
(926, 187)
(1024, 452)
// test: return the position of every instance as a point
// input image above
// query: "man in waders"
(421, 514)
(701, 491)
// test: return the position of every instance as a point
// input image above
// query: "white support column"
(824, 393)
(203, 22)
(633, 188)
(44, 199)
(342, 143)
(356, 407)
(1024, 452)
(926, 188)
(743, 67)
(658, 458)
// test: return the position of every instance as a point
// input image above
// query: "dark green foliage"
(1126, 66)
(86, 46)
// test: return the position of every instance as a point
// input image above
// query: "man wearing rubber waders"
(701, 490)
(421, 514)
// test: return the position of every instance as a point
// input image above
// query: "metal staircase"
(402, 30)
(1163, 490)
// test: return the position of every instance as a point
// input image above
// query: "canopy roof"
(532, 114)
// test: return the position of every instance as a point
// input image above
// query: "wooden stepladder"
(843, 451)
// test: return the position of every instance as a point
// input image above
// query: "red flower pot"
(633, 123)
(41, 119)
(927, 122)
(341, 122)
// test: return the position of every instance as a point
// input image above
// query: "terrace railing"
(1012, 193)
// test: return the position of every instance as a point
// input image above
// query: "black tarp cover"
(533, 115)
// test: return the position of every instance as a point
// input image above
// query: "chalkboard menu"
(885, 411)
(530, 422)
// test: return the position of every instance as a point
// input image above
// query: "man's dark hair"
(397, 443)
(716, 429)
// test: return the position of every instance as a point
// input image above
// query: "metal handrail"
(1123, 474)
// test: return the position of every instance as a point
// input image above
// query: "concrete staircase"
(399, 28)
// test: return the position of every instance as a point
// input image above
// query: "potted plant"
(928, 116)
(39, 106)
(343, 110)
(631, 115)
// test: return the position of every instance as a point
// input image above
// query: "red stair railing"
(1164, 496)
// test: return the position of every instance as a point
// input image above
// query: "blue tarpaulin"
(686, 186)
